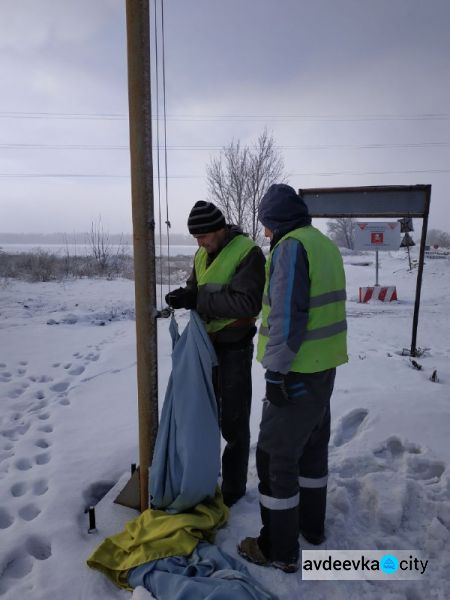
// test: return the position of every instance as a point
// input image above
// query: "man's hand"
(276, 392)
(182, 298)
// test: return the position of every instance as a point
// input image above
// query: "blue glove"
(276, 392)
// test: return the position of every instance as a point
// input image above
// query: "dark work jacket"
(240, 299)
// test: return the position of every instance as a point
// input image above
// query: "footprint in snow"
(16, 566)
(19, 489)
(40, 487)
(29, 512)
(41, 443)
(16, 393)
(77, 370)
(419, 467)
(39, 406)
(5, 454)
(424, 469)
(38, 547)
(46, 428)
(349, 426)
(393, 448)
(6, 520)
(23, 464)
(13, 433)
(42, 459)
(19, 563)
(61, 386)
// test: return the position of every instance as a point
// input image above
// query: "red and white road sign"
(377, 236)
(378, 292)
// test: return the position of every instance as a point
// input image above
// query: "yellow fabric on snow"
(156, 534)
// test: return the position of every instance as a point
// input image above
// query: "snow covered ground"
(68, 434)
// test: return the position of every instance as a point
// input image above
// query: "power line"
(25, 146)
(158, 175)
(62, 147)
(63, 116)
(165, 144)
(305, 174)
(232, 117)
(308, 118)
(62, 176)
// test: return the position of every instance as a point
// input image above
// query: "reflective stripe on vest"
(316, 334)
(320, 300)
(324, 345)
(220, 272)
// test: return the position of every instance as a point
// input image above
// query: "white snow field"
(68, 434)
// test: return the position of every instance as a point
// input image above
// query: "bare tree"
(342, 231)
(266, 167)
(101, 249)
(239, 177)
(226, 176)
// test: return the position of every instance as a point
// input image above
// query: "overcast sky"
(355, 92)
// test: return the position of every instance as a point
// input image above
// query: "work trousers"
(233, 385)
(292, 464)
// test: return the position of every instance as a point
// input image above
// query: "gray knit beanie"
(205, 217)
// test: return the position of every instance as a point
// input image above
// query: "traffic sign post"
(377, 236)
(386, 201)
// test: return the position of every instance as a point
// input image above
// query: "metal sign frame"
(412, 201)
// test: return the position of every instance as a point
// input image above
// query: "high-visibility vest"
(325, 343)
(220, 272)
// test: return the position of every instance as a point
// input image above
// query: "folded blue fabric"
(208, 573)
(186, 461)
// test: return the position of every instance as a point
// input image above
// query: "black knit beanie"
(205, 217)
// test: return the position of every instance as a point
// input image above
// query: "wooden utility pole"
(139, 100)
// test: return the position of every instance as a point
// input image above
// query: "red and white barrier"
(378, 292)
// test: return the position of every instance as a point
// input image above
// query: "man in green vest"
(225, 287)
(302, 339)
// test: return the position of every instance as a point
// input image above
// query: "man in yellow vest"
(302, 339)
(225, 287)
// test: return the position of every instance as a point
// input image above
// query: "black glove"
(182, 298)
(276, 392)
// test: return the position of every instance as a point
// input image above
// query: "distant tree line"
(436, 237)
(103, 258)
